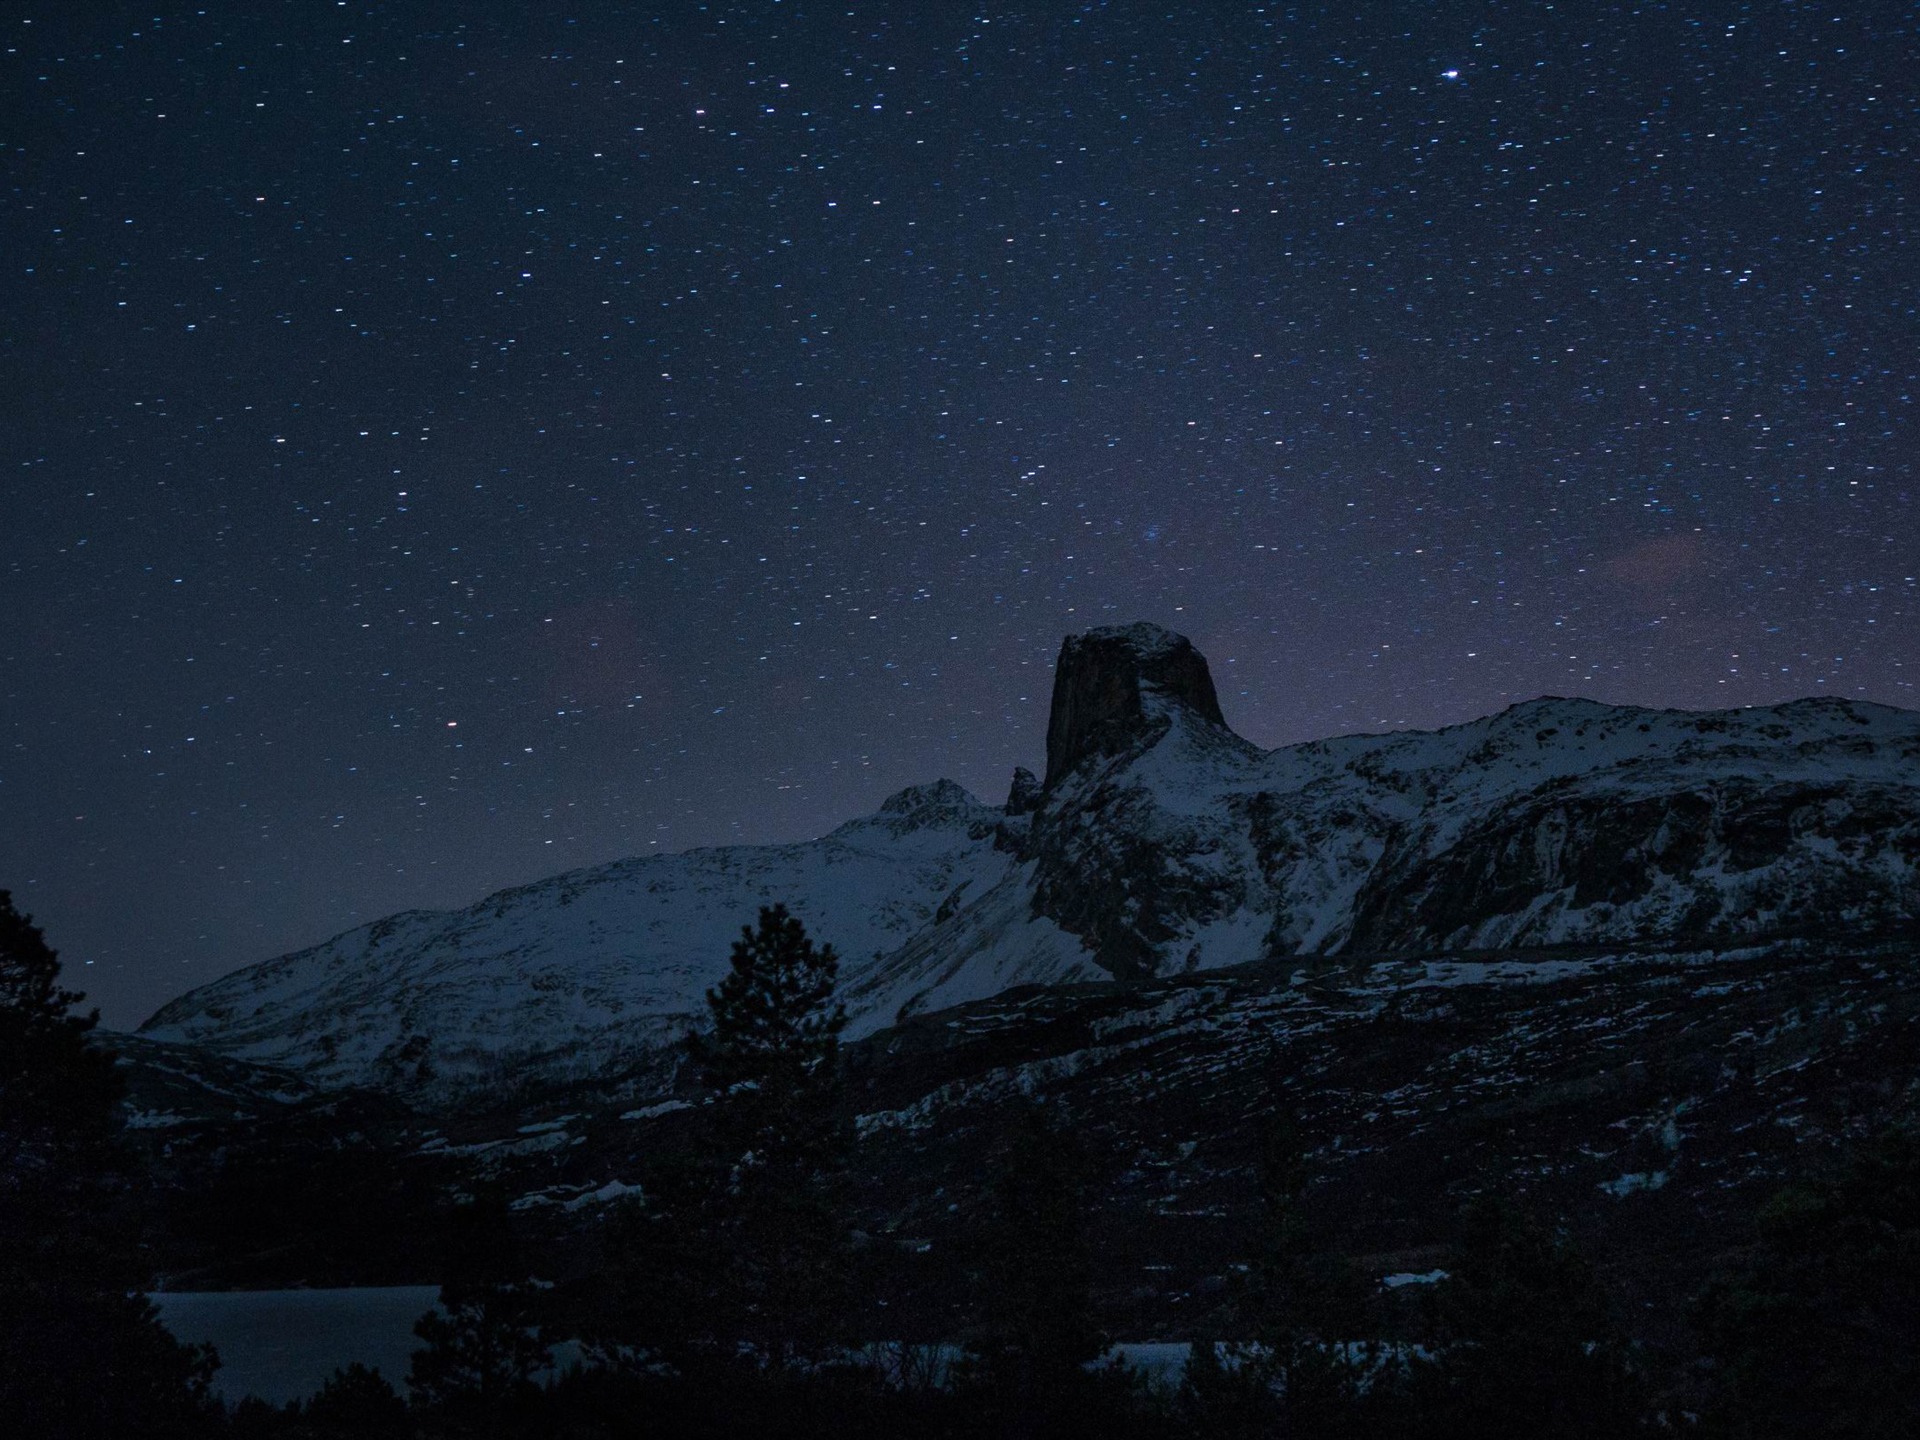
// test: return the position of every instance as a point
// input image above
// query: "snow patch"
(1635, 1182)
(1411, 1277)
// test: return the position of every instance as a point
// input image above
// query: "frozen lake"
(283, 1344)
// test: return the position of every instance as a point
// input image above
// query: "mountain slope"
(1555, 821)
(1159, 843)
(597, 969)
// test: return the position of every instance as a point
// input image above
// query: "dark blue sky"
(446, 443)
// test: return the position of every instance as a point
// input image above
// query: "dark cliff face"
(1127, 881)
(1580, 831)
(1731, 857)
(1109, 865)
(1098, 686)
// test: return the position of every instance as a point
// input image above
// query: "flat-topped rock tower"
(1104, 682)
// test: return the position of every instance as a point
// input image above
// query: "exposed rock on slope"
(1555, 821)
(1160, 843)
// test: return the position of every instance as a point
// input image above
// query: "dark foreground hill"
(1648, 1099)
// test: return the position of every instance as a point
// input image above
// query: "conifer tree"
(1817, 1332)
(771, 1185)
(1298, 1310)
(1524, 1340)
(1227, 1393)
(355, 1403)
(651, 1296)
(82, 1351)
(483, 1349)
(484, 1344)
(775, 1025)
(1280, 1288)
(1036, 1330)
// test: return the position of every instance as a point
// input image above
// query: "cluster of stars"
(449, 444)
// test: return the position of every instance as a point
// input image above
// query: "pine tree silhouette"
(82, 1351)
(1524, 1339)
(1817, 1333)
(483, 1346)
(1298, 1311)
(354, 1404)
(1035, 1332)
(776, 1026)
(767, 1188)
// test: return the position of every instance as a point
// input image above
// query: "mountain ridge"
(1160, 843)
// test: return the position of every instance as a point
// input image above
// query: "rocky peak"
(932, 804)
(1104, 681)
(1023, 796)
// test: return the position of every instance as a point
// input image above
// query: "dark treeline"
(734, 1298)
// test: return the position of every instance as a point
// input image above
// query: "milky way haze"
(451, 442)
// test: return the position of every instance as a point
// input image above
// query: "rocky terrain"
(1648, 1097)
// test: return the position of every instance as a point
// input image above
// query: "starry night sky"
(446, 443)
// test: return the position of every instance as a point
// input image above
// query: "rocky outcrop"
(1024, 794)
(1111, 687)
(1165, 844)
(1732, 857)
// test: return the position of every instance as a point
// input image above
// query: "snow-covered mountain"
(593, 970)
(1159, 842)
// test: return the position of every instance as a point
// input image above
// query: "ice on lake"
(283, 1344)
